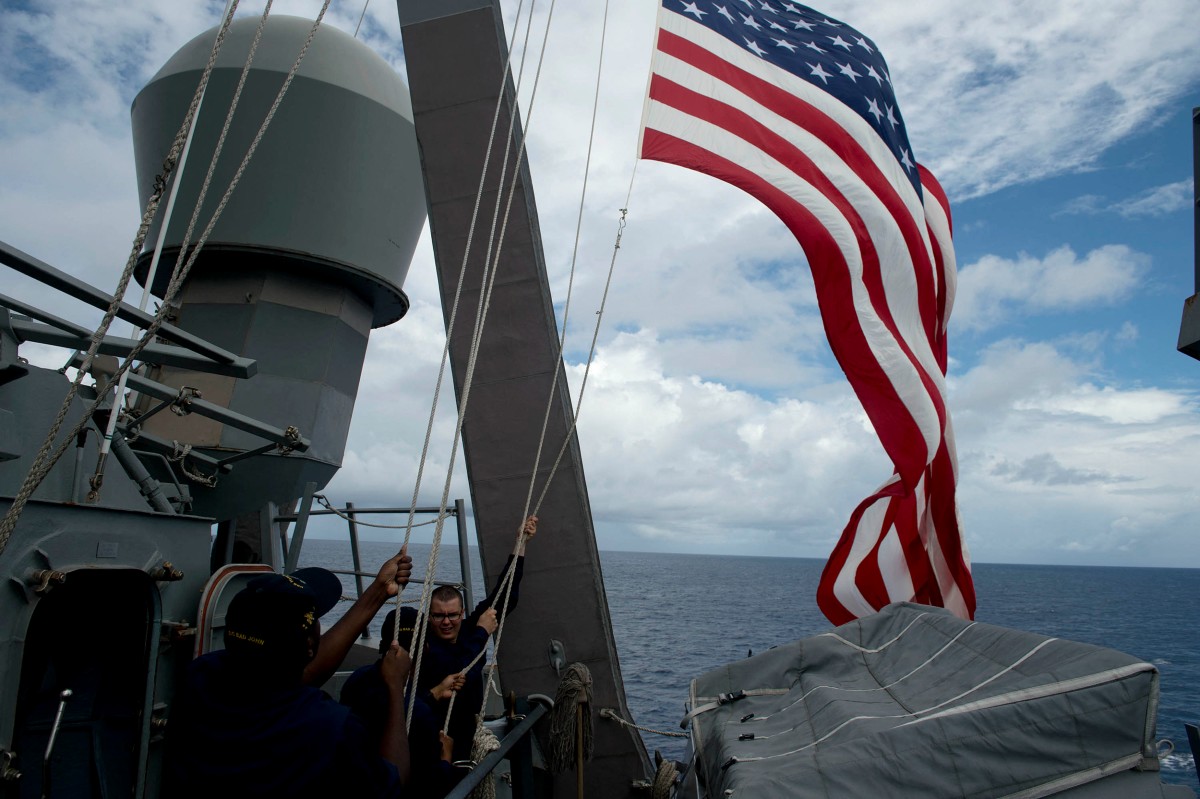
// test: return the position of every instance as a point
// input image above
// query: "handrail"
(54, 278)
(486, 766)
(351, 511)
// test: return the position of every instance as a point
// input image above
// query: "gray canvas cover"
(914, 701)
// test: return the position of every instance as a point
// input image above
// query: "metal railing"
(516, 747)
(351, 513)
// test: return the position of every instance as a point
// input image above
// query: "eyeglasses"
(446, 616)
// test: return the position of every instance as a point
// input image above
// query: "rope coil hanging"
(571, 726)
(484, 743)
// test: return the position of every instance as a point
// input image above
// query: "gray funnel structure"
(309, 255)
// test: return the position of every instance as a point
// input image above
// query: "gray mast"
(455, 52)
(1189, 329)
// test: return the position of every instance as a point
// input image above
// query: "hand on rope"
(394, 667)
(488, 621)
(528, 531)
(449, 686)
(395, 572)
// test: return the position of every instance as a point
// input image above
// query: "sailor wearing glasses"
(453, 642)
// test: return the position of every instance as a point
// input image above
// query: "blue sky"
(715, 419)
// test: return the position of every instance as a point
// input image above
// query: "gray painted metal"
(1189, 328)
(162, 354)
(335, 184)
(1196, 191)
(71, 286)
(1193, 734)
(109, 554)
(219, 413)
(309, 255)
(33, 401)
(455, 63)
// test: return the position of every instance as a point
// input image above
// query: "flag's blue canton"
(830, 54)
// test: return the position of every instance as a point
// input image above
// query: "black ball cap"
(274, 612)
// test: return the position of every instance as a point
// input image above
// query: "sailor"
(248, 723)
(453, 644)
(366, 692)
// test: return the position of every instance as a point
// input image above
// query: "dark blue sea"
(677, 616)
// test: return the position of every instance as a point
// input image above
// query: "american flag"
(798, 110)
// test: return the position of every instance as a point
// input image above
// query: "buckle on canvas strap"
(722, 699)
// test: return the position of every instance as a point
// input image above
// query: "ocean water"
(677, 616)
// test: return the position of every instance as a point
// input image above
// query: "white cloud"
(1158, 201)
(995, 289)
(1018, 91)
(1155, 201)
(691, 463)
(1054, 463)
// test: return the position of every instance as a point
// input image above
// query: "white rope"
(450, 326)
(98, 476)
(562, 343)
(360, 18)
(120, 397)
(507, 583)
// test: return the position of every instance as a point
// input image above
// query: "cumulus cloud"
(995, 289)
(1054, 462)
(1045, 469)
(689, 461)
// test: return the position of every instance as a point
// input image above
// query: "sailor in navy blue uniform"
(248, 721)
(452, 643)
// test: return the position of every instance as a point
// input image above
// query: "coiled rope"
(663, 786)
(571, 725)
(484, 743)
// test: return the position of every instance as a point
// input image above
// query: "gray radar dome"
(309, 255)
(335, 184)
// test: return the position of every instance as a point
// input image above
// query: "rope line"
(609, 713)
(360, 18)
(569, 726)
(98, 476)
(469, 378)
(562, 344)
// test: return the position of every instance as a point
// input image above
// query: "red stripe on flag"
(833, 135)
(895, 425)
(847, 340)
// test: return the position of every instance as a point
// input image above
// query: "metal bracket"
(8, 769)
(558, 655)
(43, 580)
(166, 573)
